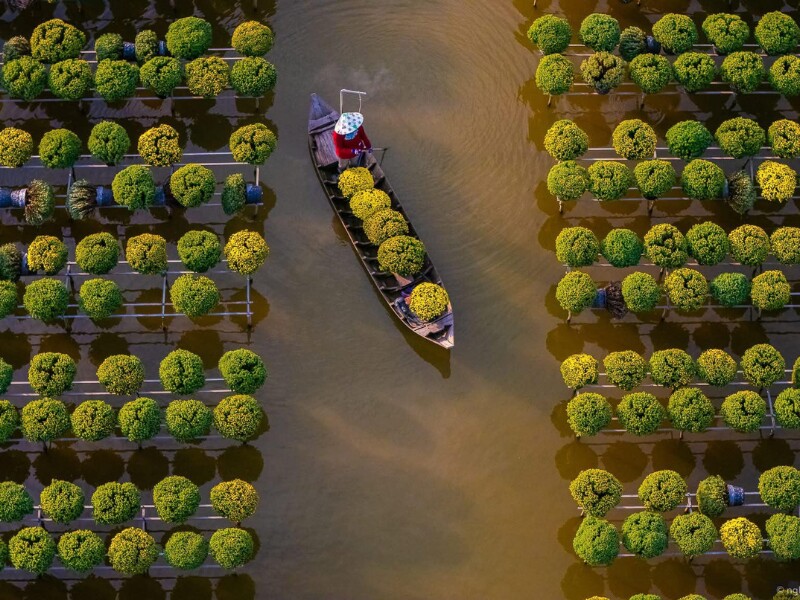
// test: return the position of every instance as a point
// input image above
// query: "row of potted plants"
(633, 139)
(667, 247)
(778, 596)
(686, 290)
(398, 253)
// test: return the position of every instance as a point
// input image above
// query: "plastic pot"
(254, 194)
(128, 51)
(652, 46)
(600, 299)
(735, 495)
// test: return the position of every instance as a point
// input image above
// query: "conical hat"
(349, 122)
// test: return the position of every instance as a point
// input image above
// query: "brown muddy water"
(393, 470)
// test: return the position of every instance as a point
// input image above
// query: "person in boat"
(350, 140)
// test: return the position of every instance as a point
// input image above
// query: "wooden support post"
(569, 316)
(549, 100)
(650, 205)
(249, 311)
(164, 303)
(560, 206)
(641, 102)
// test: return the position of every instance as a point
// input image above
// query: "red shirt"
(351, 148)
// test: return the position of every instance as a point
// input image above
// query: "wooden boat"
(321, 121)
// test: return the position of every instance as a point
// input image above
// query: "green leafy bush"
(640, 413)
(253, 144)
(730, 289)
(676, 33)
(44, 420)
(97, 253)
(70, 79)
(16, 147)
(140, 419)
(366, 202)
(577, 247)
(654, 178)
(59, 149)
(121, 374)
(93, 420)
(99, 298)
(579, 370)
(741, 538)
(32, 549)
(641, 292)
(672, 368)
(708, 243)
(632, 43)
(176, 499)
(188, 37)
(62, 501)
(253, 76)
(384, 224)
(134, 188)
(108, 142)
(10, 264)
(783, 137)
(145, 45)
(651, 72)
(352, 180)
(554, 75)
(252, 38)
(194, 295)
(634, 139)
(777, 33)
(596, 491)
(235, 500)
(186, 550)
(9, 418)
(609, 180)
(770, 291)
(81, 550)
(740, 137)
(47, 254)
(597, 542)
(726, 31)
(188, 420)
(779, 487)
(428, 301)
(787, 408)
(116, 80)
(567, 180)
(777, 181)
(694, 533)
(246, 251)
(238, 417)
(763, 365)
(199, 250)
(160, 146)
(749, 244)
(192, 185)
(784, 75)
(46, 299)
(565, 140)
(622, 248)
(695, 71)
(181, 372)
(16, 46)
(783, 532)
(243, 370)
(716, 367)
(114, 503)
(666, 246)
(231, 547)
(55, 40)
(662, 491)
(147, 253)
(600, 32)
(603, 71)
(162, 74)
(15, 502)
(588, 413)
(743, 411)
(688, 139)
(690, 410)
(625, 369)
(132, 551)
(403, 255)
(24, 78)
(234, 194)
(743, 71)
(645, 534)
(109, 46)
(742, 192)
(51, 373)
(207, 76)
(703, 180)
(576, 291)
(551, 34)
(712, 496)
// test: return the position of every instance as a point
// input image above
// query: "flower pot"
(600, 299)
(652, 46)
(10, 197)
(726, 189)
(735, 495)
(128, 51)
(160, 199)
(24, 269)
(601, 91)
(404, 281)
(104, 196)
(254, 194)
(162, 48)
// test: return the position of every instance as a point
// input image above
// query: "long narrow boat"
(322, 119)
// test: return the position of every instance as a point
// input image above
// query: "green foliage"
(188, 420)
(243, 370)
(695, 71)
(565, 140)
(763, 365)
(176, 499)
(145, 45)
(355, 180)
(46, 299)
(577, 247)
(609, 180)
(716, 367)
(596, 491)
(97, 253)
(666, 246)
(246, 252)
(600, 32)
(188, 37)
(47, 254)
(770, 291)
(567, 180)
(9, 418)
(160, 146)
(783, 532)
(108, 142)
(662, 491)
(742, 192)
(726, 31)
(15, 502)
(99, 298)
(10, 263)
(62, 501)
(672, 368)
(162, 74)
(199, 250)
(645, 534)
(132, 551)
(255, 143)
(109, 46)
(688, 139)
(194, 295)
(134, 187)
(384, 224)
(51, 373)
(777, 181)
(634, 139)
(182, 372)
(252, 38)
(24, 78)
(207, 76)
(597, 542)
(603, 71)
(40, 202)
(779, 487)
(654, 178)
(139, 419)
(579, 370)
(403, 255)
(576, 291)
(114, 503)
(783, 137)
(712, 496)
(650, 72)
(59, 149)
(81, 550)
(708, 243)
(625, 369)
(787, 408)
(743, 411)
(16, 147)
(253, 76)
(70, 79)
(740, 137)
(741, 538)
(730, 289)
(16, 46)
(116, 80)
(784, 75)
(777, 33)
(147, 253)
(622, 248)
(551, 34)
(640, 413)
(93, 420)
(588, 413)
(186, 550)
(238, 417)
(234, 194)
(44, 420)
(428, 301)
(632, 43)
(743, 71)
(703, 180)
(366, 202)
(694, 533)
(749, 244)
(55, 40)
(675, 32)
(554, 75)
(235, 500)
(192, 185)
(231, 547)
(641, 292)
(32, 549)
